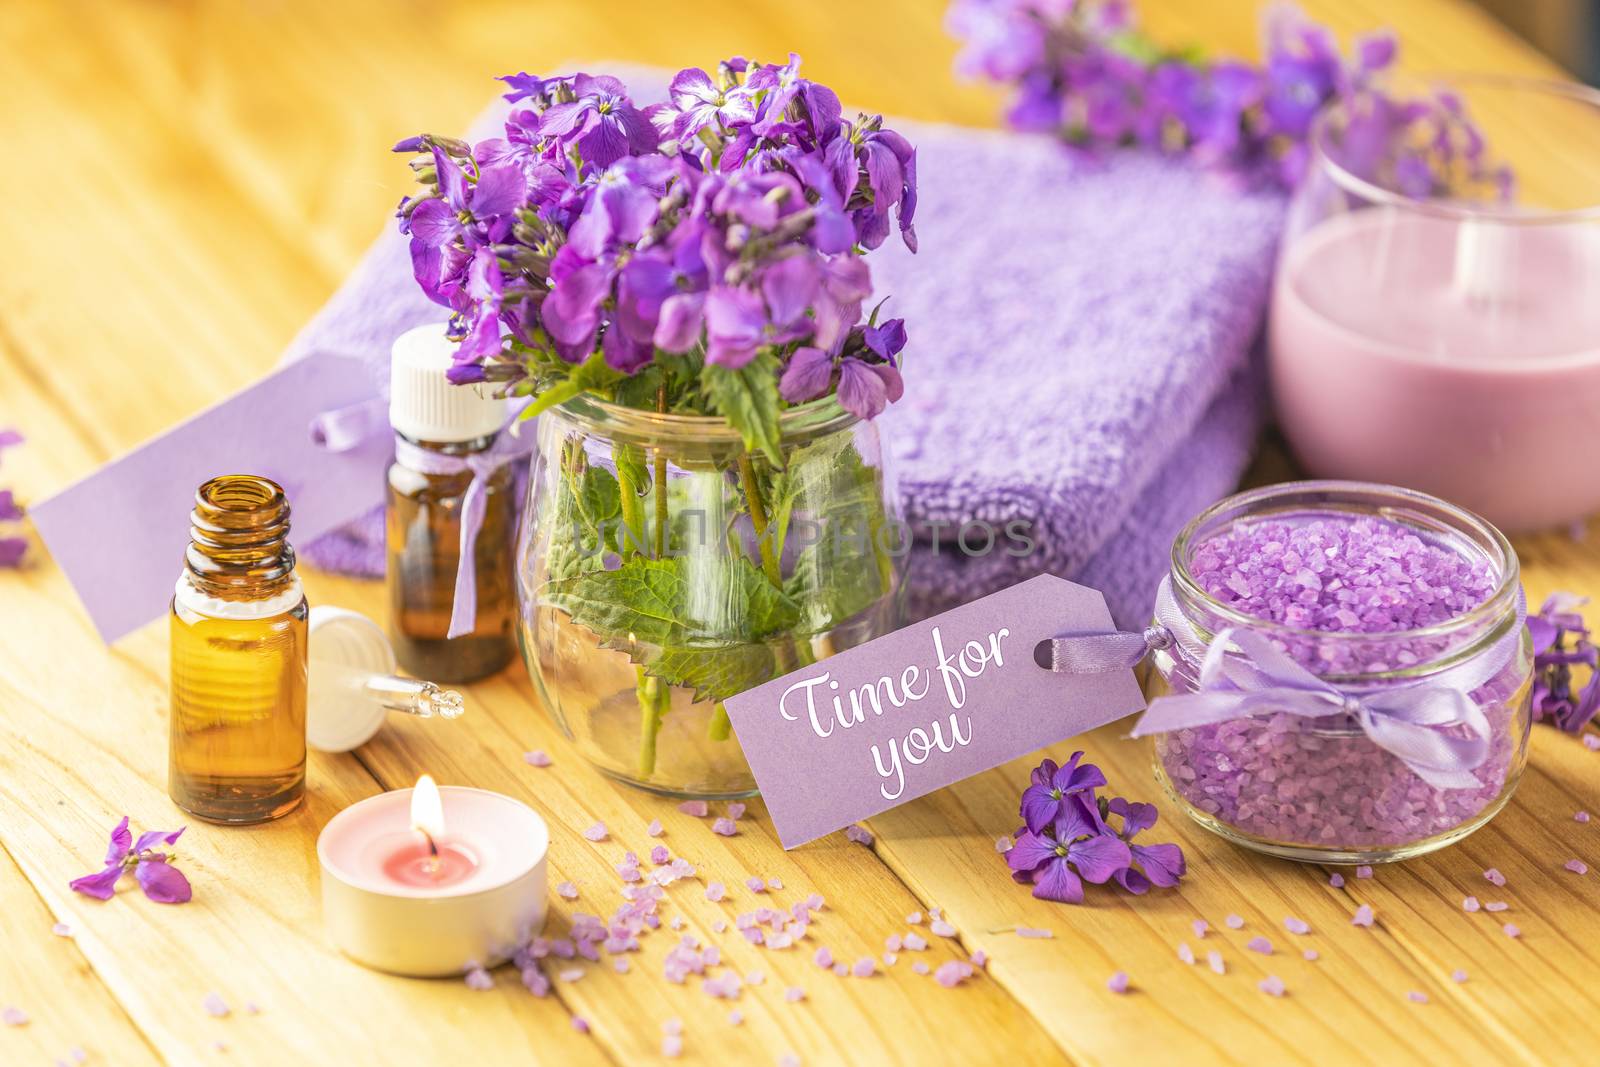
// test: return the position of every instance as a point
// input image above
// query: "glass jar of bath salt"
(1346, 674)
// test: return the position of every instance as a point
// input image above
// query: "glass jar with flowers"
(681, 292)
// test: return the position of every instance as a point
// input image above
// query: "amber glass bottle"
(238, 729)
(445, 437)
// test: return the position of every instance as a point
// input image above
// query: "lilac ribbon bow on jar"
(1433, 726)
(507, 447)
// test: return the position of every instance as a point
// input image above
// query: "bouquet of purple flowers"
(702, 256)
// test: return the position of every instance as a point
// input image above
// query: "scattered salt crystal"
(914, 918)
(1591, 742)
(859, 834)
(1363, 871)
(823, 957)
(567, 891)
(942, 928)
(814, 902)
(917, 943)
(676, 922)
(571, 974)
(1580, 816)
(794, 994)
(655, 829)
(1496, 905)
(1234, 922)
(698, 808)
(1494, 877)
(672, 1026)
(1271, 985)
(214, 1005)
(1512, 930)
(580, 1024)
(755, 885)
(865, 967)
(252, 1008)
(1296, 926)
(1200, 926)
(935, 913)
(1118, 983)
(980, 958)
(1336, 880)
(892, 943)
(715, 891)
(774, 883)
(1004, 844)
(788, 1059)
(1458, 975)
(1577, 866)
(890, 959)
(479, 979)
(1214, 961)
(1185, 953)
(621, 965)
(720, 926)
(61, 930)
(952, 973)
(736, 810)
(537, 758)
(1363, 916)
(1470, 904)
(597, 832)
(1022, 931)
(725, 826)
(1416, 997)
(1309, 954)
(920, 967)
(13, 1016)
(735, 1017)
(841, 969)
(1259, 944)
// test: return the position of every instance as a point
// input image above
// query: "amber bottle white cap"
(423, 405)
(352, 685)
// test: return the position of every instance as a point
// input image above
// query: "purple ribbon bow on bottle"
(1433, 726)
(507, 447)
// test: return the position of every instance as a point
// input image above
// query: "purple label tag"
(886, 722)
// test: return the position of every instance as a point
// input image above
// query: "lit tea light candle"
(431, 881)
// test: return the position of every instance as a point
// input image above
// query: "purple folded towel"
(1079, 359)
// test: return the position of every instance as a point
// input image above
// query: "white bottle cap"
(345, 648)
(423, 405)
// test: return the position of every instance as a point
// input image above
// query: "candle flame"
(427, 810)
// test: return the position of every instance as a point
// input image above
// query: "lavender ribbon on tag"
(1433, 726)
(507, 447)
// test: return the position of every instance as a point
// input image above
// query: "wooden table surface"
(186, 183)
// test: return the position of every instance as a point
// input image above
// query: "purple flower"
(602, 123)
(1160, 865)
(1561, 642)
(1057, 791)
(808, 375)
(1060, 858)
(152, 868)
(865, 389)
(698, 103)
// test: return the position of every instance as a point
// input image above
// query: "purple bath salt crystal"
(1310, 955)
(12, 1015)
(725, 826)
(567, 891)
(794, 994)
(1234, 922)
(1004, 844)
(736, 810)
(1271, 985)
(1494, 877)
(655, 828)
(1185, 953)
(1200, 926)
(1470, 904)
(61, 930)
(841, 969)
(914, 918)
(1591, 742)
(1259, 944)
(755, 885)
(735, 1017)
(1458, 975)
(1417, 998)
(1336, 880)
(774, 883)
(215, 1006)
(915, 942)
(1512, 930)
(672, 1026)
(479, 979)
(659, 855)
(1363, 916)
(1118, 983)
(537, 758)
(715, 891)
(859, 834)
(571, 974)
(892, 943)
(580, 1024)
(823, 957)
(1214, 961)
(865, 967)
(942, 928)
(1022, 931)
(597, 832)
(698, 808)
(1363, 871)
(1296, 926)
(1580, 816)
(1577, 866)
(952, 973)
(1496, 905)
(980, 958)
(621, 965)
(920, 967)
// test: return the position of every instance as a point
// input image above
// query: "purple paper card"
(119, 534)
(886, 722)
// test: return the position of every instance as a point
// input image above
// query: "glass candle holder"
(1438, 330)
(1319, 788)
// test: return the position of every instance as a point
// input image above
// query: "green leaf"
(632, 470)
(714, 673)
(554, 396)
(748, 399)
(848, 569)
(598, 497)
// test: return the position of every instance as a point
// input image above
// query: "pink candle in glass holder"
(430, 881)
